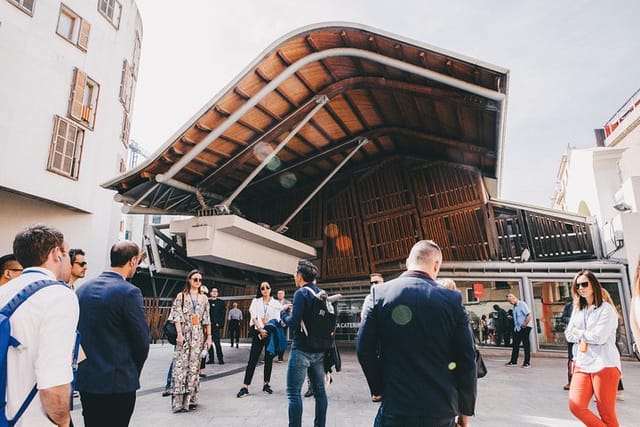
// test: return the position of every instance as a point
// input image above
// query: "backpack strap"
(7, 311)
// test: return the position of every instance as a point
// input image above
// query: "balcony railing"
(628, 107)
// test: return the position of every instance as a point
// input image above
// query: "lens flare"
(344, 244)
(288, 180)
(401, 315)
(331, 231)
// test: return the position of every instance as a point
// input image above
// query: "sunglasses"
(264, 288)
(582, 284)
(196, 279)
(80, 263)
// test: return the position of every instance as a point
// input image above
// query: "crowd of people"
(415, 343)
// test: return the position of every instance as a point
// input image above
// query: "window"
(137, 47)
(66, 148)
(111, 9)
(24, 5)
(126, 125)
(126, 85)
(73, 28)
(84, 99)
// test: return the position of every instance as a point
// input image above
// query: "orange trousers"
(603, 384)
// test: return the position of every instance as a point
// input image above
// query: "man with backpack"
(37, 338)
(312, 321)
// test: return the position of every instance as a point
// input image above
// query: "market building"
(345, 145)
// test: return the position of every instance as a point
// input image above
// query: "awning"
(321, 92)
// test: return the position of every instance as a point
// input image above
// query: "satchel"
(481, 368)
(170, 332)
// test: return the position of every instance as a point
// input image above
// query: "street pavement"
(507, 396)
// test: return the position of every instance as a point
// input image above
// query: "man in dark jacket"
(416, 349)
(217, 312)
(115, 338)
(304, 360)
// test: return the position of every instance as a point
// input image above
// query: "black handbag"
(170, 332)
(481, 368)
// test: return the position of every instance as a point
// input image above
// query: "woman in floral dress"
(190, 313)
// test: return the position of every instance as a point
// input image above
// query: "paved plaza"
(507, 396)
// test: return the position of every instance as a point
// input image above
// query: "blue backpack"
(6, 340)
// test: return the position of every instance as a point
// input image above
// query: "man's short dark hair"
(122, 252)
(5, 260)
(32, 245)
(73, 253)
(307, 270)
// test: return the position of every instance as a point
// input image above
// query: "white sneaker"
(620, 395)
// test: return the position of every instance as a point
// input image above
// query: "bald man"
(416, 349)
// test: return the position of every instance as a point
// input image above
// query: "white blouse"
(596, 327)
(264, 311)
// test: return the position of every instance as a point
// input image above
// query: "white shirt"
(597, 327)
(45, 325)
(261, 310)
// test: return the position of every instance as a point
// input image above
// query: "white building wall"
(37, 74)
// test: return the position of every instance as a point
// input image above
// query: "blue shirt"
(302, 299)
(520, 312)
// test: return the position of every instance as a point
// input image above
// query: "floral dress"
(192, 312)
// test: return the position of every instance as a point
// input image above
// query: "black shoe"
(210, 362)
(243, 392)
(267, 389)
(308, 393)
(231, 345)
(203, 375)
(236, 345)
(166, 393)
(221, 362)
(526, 365)
(510, 364)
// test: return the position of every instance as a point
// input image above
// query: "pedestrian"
(503, 333)
(416, 349)
(190, 313)
(304, 359)
(217, 310)
(522, 329)
(375, 279)
(45, 326)
(597, 368)
(485, 328)
(10, 268)
(635, 308)
(262, 309)
(564, 319)
(235, 318)
(115, 339)
(78, 266)
(283, 302)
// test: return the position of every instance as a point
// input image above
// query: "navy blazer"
(114, 335)
(416, 349)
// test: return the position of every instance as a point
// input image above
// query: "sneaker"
(231, 345)
(267, 389)
(278, 361)
(236, 345)
(166, 393)
(567, 386)
(526, 365)
(221, 362)
(203, 375)
(620, 395)
(243, 392)
(308, 393)
(510, 364)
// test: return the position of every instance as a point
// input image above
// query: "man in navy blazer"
(115, 338)
(416, 349)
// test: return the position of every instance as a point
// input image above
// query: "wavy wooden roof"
(355, 82)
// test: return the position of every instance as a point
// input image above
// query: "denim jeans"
(302, 363)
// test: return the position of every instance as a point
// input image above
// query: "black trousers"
(257, 345)
(234, 330)
(522, 336)
(107, 410)
(215, 337)
(388, 420)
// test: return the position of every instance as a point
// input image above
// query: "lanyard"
(193, 303)
(266, 308)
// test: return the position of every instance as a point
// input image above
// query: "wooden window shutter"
(126, 126)
(124, 83)
(77, 95)
(83, 38)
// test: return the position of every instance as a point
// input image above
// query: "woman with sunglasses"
(592, 328)
(262, 309)
(190, 313)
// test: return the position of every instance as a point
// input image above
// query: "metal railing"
(621, 114)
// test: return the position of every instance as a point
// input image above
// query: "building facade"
(69, 71)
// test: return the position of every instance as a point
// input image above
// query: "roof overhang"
(307, 102)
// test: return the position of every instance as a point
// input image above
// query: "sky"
(572, 64)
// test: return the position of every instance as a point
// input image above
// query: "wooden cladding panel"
(511, 237)
(461, 234)
(441, 187)
(390, 238)
(343, 254)
(557, 238)
(384, 189)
